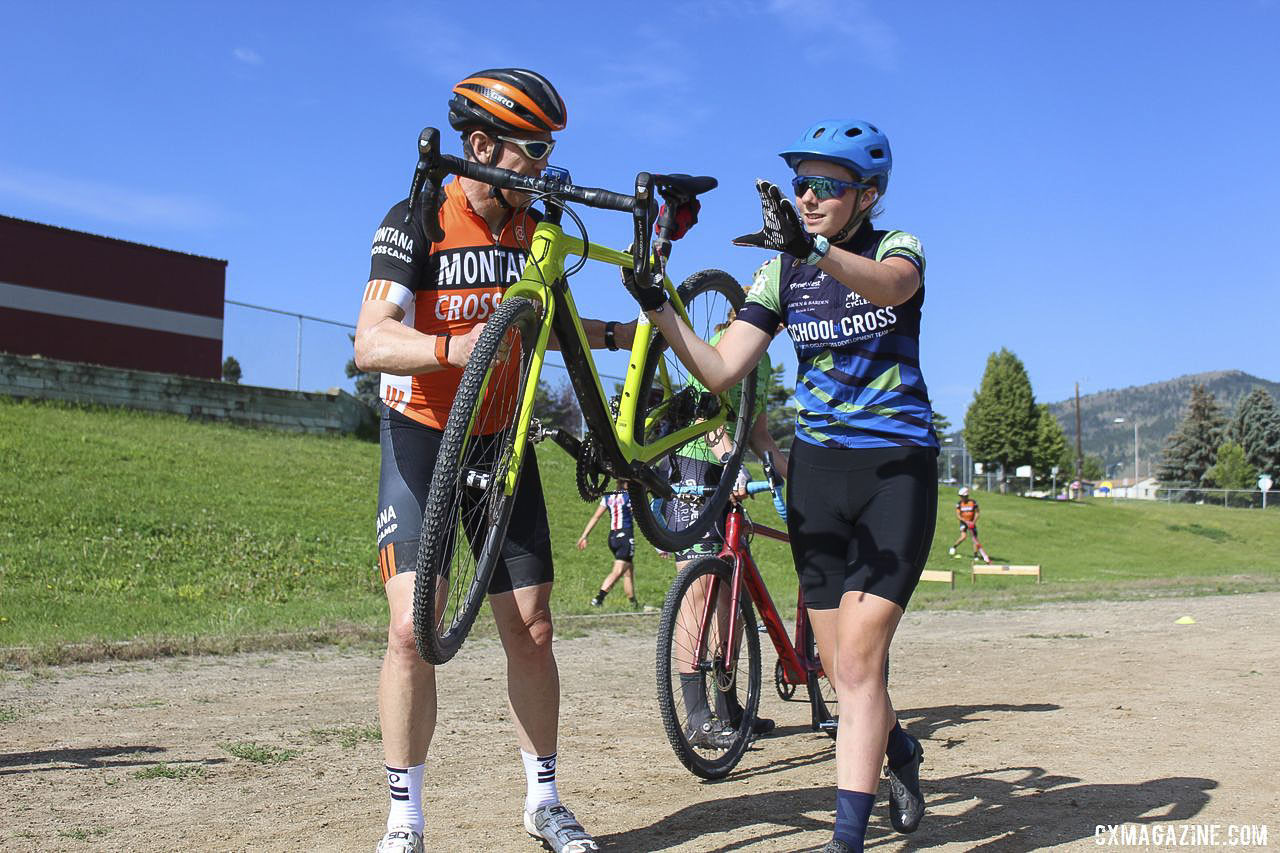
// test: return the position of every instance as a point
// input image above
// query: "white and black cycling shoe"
(906, 803)
(558, 830)
(400, 839)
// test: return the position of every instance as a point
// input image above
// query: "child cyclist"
(862, 499)
(622, 542)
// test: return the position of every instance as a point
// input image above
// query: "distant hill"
(1158, 408)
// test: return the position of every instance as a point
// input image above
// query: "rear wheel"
(708, 704)
(468, 508)
(672, 399)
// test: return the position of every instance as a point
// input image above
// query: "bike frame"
(544, 282)
(797, 667)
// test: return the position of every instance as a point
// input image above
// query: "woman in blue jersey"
(862, 498)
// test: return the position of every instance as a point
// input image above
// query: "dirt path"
(1038, 725)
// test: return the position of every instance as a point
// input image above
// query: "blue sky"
(1095, 184)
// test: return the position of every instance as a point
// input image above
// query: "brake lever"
(426, 185)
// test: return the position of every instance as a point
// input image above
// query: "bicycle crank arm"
(567, 441)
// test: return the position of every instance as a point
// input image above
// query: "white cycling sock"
(404, 784)
(540, 777)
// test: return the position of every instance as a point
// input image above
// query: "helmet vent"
(853, 131)
(818, 133)
(877, 153)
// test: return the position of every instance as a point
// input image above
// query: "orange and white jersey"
(443, 288)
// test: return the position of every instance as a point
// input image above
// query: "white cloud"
(838, 30)
(120, 205)
(247, 56)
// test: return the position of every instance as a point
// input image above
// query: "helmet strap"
(494, 192)
(854, 223)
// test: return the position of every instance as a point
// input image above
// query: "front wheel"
(672, 399)
(468, 506)
(708, 675)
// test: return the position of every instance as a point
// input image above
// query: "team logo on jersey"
(519, 231)
(479, 267)
(389, 240)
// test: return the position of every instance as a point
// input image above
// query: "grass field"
(118, 525)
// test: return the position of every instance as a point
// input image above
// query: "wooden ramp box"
(983, 569)
(940, 575)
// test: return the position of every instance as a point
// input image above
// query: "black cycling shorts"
(679, 514)
(972, 531)
(623, 544)
(860, 520)
(409, 452)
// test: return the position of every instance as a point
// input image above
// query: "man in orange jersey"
(424, 307)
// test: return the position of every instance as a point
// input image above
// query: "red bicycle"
(709, 678)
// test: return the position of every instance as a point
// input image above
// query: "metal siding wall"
(56, 259)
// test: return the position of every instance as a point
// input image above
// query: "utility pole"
(1079, 451)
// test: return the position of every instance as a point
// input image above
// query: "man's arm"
(624, 334)
(761, 441)
(384, 343)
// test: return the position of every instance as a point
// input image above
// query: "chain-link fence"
(1239, 498)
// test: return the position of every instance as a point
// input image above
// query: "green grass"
(78, 834)
(348, 736)
(118, 525)
(169, 771)
(7, 714)
(259, 754)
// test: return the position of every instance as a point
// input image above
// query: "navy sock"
(900, 749)
(853, 810)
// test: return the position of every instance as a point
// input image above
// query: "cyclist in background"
(424, 307)
(862, 498)
(967, 512)
(622, 542)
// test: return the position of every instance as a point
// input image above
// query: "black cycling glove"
(650, 298)
(782, 230)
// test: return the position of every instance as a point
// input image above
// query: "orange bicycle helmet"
(506, 100)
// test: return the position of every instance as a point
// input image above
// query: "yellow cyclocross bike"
(634, 436)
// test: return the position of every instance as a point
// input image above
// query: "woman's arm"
(884, 283)
(720, 367)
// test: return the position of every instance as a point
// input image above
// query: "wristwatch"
(821, 245)
(610, 342)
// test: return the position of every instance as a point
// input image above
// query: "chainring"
(592, 479)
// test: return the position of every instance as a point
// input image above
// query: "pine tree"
(231, 371)
(1000, 424)
(1256, 428)
(781, 419)
(941, 423)
(1193, 448)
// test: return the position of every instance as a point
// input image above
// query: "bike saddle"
(687, 186)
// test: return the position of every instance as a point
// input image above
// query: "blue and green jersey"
(859, 382)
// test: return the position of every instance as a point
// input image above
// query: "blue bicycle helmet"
(854, 144)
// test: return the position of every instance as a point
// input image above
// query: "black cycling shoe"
(834, 846)
(711, 734)
(906, 803)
